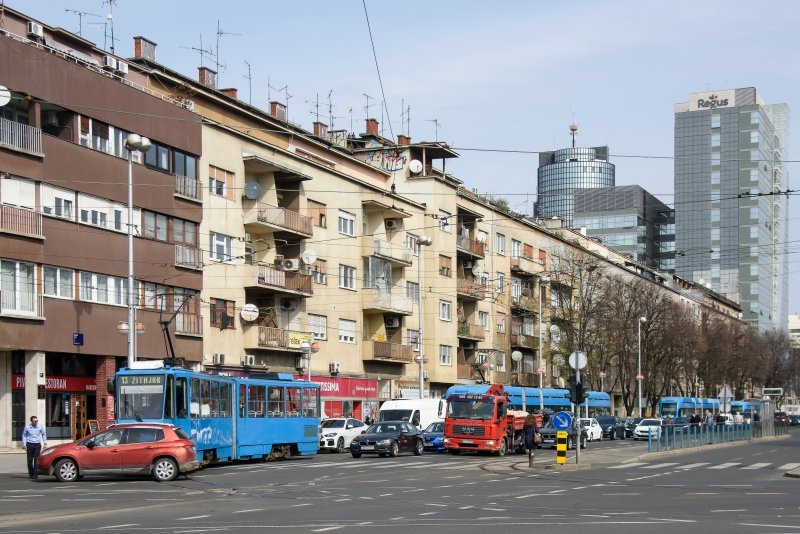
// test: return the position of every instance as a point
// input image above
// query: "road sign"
(562, 420)
(577, 360)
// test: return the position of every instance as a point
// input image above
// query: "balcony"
(21, 305)
(20, 221)
(523, 341)
(261, 215)
(526, 265)
(394, 253)
(189, 324)
(387, 352)
(467, 372)
(188, 257)
(471, 289)
(188, 188)
(281, 339)
(373, 300)
(470, 246)
(476, 332)
(292, 282)
(21, 137)
(523, 303)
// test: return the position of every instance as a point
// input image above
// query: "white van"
(418, 412)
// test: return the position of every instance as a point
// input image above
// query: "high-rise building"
(730, 229)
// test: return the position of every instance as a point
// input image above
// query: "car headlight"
(490, 443)
(46, 452)
(384, 442)
(330, 435)
(446, 441)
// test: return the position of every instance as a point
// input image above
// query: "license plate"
(548, 441)
(467, 441)
(367, 447)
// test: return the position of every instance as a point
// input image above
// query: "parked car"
(388, 437)
(613, 427)
(594, 431)
(647, 428)
(630, 424)
(433, 437)
(782, 418)
(163, 451)
(336, 434)
(679, 423)
(548, 432)
(794, 420)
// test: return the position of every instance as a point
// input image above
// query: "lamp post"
(516, 357)
(639, 376)
(309, 349)
(543, 281)
(603, 376)
(133, 143)
(422, 241)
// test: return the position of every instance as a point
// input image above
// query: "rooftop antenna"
(80, 17)
(249, 78)
(573, 128)
(105, 33)
(330, 109)
(204, 52)
(403, 115)
(436, 125)
(350, 112)
(408, 121)
(367, 106)
(220, 33)
(316, 107)
(285, 90)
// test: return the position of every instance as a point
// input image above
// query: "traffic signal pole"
(577, 417)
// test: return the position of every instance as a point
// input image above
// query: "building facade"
(731, 232)
(794, 331)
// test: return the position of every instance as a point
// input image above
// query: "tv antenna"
(80, 17)
(367, 105)
(220, 33)
(315, 103)
(110, 18)
(203, 52)
(573, 131)
(405, 118)
(436, 125)
(105, 34)
(286, 94)
(249, 78)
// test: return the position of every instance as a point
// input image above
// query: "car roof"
(142, 425)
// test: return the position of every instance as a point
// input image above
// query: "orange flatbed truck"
(482, 422)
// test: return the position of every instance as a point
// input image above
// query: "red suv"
(164, 451)
(782, 418)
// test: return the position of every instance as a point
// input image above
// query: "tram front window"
(141, 397)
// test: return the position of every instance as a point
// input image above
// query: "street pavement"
(726, 489)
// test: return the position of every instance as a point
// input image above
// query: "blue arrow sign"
(562, 420)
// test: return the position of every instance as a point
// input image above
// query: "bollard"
(561, 447)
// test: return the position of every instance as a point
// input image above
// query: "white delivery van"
(418, 412)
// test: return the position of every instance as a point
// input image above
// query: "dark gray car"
(388, 438)
(548, 432)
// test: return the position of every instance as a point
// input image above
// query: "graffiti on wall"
(386, 160)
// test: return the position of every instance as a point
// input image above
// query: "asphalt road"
(731, 490)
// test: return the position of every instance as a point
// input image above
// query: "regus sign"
(715, 100)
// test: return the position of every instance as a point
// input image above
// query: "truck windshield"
(394, 415)
(141, 396)
(470, 409)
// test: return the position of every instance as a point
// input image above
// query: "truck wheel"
(503, 448)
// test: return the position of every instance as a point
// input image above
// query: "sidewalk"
(12, 461)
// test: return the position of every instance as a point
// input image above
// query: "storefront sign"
(349, 388)
(60, 383)
(715, 100)
(295, 339)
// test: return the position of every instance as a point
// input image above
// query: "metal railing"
(188, 187)
(291, 220)
(471, 289)
(475, 331)
(21, 304)
(470, 245)
(390, 250)
(671, 437)
(523, 340)
(14, 220)
(389, 300)
(291, 280)
(524, 303)
(189, 324)
(21, 137)
(279, 338)
(384, 350)
(187, 256)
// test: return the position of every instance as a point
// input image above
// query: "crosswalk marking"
(724, 466)
(692, 466)
(788, 467)
(659, 466)
(625, 466)
(757, 466)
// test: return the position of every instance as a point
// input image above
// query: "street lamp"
(603, 376)
(309, 349)
(422, 241)
(543, 281)
(639, 376)
(141, 144)
(516, 357)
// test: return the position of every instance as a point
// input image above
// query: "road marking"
(192, 517)
(301, 504)
(642, 478)
(467, 507)
(248, 511)
(428, 513)
(620, 494)
(724, 466)
(119, 526)
(729, 485)
(327, 528)
(757, 466)
(771, 526)
(659, 466)
(764, 493)
(624, 466)
(704, 493)
(724, 511)
(692, 466)
(385, 494)
(788, 467)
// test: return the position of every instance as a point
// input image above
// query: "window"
(445, 355)
(501, 323)
(754, 117)
(155, 296)
(157, 157)
(103, 289)
(715, 140)
(500, 244)
(18, 192)
(413, 339)
(516, 248)
(57, 202)
(275, 401)
(220, 182)
(412, 291)
(184, 232)
(715, 158)
(184, 164)
(155, 226)
(318, 324)
(319, 272)
(715, 175)
(95, 211)
(715, 120)
(483, 318)
(221, 247)
(444, 221)
(753, 232)
(501, 283)
(347, 223)
(347, 277)
(347, 331)
(17, 287)
(485, 279)
(412, 243)
(754, 137)
(316, 210)
(527, 252)
(59, 282)
(445, 310)
(221, 312)
(445, 265)
(500, 361)
(753, 269)
(310, 402)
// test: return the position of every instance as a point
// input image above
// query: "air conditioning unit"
(292, 264)
(468, 264)
(526, 292)
(278, 261)
(288, 304)
(392, 224)
(35, 30)
(122, 67)
(249, 360)
(334, 368)
(187, 104)
(49, 118)
(393, 322)
(218, 359)
(109, 62)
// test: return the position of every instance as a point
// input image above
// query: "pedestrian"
(738, 419)
(34, 439)
(530, 433)
(668, 420)
(709, 424)
(721, 418)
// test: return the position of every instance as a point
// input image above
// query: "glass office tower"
(730, 232)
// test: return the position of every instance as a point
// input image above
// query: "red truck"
(482, 422)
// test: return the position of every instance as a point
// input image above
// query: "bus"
(555, 399)
(229, 418)
(685, 406)
(596, 403)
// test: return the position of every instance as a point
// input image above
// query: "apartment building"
(64, 226)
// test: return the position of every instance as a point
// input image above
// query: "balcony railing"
(523, 303)
(22, 304)
(471, 246)
(466, 372)
(386, 351)
(188, 257)
(269, 276)
(472, 331)
(471, 289)
(283, 218)
(525, 265)
(18, 136)
(391, 251)
(189, 324)
(188, 187)
(523, 341)
(397, 301)
(20, 221)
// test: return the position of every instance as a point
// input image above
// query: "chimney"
(372, 127)
(320, 129)
(207, 77)
(277, 110)
(403, 139)
(231, 92)
(144, 48)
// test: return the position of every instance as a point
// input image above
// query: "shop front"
(69, 405)
(348, 397)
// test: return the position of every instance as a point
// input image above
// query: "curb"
(568, 467)
(676, 452)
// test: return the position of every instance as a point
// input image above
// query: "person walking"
(34, 439)
(709, 423)
(738, 419)
(530, 432)
(694, 422)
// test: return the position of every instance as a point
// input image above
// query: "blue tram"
(229, 418)
(685, 406)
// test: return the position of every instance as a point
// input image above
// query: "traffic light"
(575, 390)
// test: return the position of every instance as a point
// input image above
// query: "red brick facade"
(106, 367)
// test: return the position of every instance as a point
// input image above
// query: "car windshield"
(435, 427)
(650, 422)
(395, 415)
(382, 428)
(333, 423)
(605, 420)
(586, 422)
(470, 409)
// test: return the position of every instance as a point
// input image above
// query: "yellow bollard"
(561, 447)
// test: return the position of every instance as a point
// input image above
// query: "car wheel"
(569, 442)
(340, 445)
(355, 454)
(613, 435)
(165, 469)
(455, 452)
(66, 470)
(394, 450)
(419, 448)
(583, 443)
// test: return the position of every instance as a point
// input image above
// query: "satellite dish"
(5, 96)
(415, 166)
(309, 256)
(249, 312)
(477, 270)
(252, 190)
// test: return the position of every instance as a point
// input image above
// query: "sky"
(496, 76)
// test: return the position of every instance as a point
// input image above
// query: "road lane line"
(788, 467)
(659, 466)
(109, 527)
(192, 517)
(248, 511)
(725, 511)
(704, 493)
(724, 466)
(758, 466)
(625, 466)
(301, 504)
(692, 466)
(327, 528)
(795, 527)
